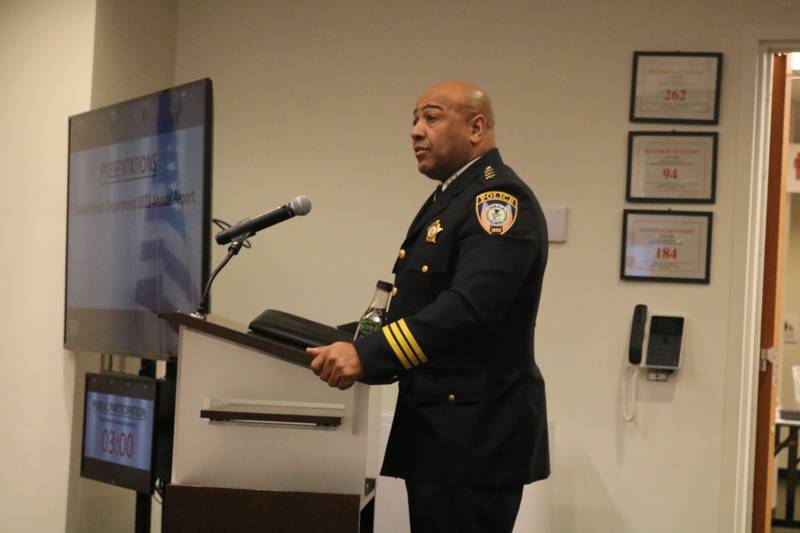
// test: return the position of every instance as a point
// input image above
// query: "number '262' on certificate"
(672, 166)
(672, 246)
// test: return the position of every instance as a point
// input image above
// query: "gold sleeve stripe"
(411, 340)
(403, 344)
(397, 351)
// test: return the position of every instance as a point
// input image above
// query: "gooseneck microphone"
(298, 207)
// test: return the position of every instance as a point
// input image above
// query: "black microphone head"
(300, 206)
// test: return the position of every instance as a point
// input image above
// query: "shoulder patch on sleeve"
(496, 211)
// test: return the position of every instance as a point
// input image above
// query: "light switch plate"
(556, 217)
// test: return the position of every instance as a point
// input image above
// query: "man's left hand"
(337, 364)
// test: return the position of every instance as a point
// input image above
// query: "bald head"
(453, 124)
(470, 99)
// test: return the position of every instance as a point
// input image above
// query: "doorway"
(776, 487)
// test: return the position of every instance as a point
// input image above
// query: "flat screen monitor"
(138, 220)
(119, 430)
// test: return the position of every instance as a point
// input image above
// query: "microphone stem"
(233, 249)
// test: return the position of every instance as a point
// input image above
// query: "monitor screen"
(138, 220)
(118, 430)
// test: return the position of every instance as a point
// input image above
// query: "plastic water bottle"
(374, 318)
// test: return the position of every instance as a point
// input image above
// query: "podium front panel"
(258, 454)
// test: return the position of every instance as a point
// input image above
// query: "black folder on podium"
(296, 330)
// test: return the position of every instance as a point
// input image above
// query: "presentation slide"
(129, 244)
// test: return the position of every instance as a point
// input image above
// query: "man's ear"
(477, 129)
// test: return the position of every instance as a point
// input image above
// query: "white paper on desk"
(796, 376)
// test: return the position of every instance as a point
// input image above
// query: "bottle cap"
(384, 286)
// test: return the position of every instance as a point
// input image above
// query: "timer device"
(126, 441)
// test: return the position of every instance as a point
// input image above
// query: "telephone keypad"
(663, 350)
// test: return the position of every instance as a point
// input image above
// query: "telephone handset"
(635, 347)
(637, 334)
(664, 338)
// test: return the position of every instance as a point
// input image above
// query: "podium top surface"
(239, 334)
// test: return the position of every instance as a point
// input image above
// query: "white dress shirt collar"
(446, 183)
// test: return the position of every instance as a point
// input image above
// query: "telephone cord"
(629, 408)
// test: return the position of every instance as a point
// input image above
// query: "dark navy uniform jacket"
(471, 404)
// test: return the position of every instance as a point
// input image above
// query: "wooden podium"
(261, 443)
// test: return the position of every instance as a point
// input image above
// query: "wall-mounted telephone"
(663, 337)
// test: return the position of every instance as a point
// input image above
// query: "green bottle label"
(366, 327)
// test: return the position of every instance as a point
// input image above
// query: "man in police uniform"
(470, 426)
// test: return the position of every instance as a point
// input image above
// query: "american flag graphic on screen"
(168, 287)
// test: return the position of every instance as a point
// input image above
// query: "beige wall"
(315, 98)
(134, 49)
(46, 61)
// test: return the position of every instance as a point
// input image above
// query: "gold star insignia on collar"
(488, 173)
(433, 230)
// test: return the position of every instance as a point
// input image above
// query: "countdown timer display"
(118, 430)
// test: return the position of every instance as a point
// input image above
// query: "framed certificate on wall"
(676, 87)
(672, 166)
(672, 246)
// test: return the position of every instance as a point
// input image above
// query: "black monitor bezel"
(112, 473)
(207, 198)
